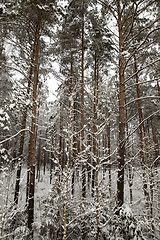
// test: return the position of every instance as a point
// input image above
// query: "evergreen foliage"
(86, 165)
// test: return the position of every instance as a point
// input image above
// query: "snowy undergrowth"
(81, 214)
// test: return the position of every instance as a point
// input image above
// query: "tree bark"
(82, 111)
(39, 158)
(45, 156)
(130, 175)
(74, 127)
(51, 159)
(109, 159)
(121, 148)
(141, 127)
(94, 160)
(69, 150)
(61, 138)
(155, 140)
(32, 147)
(20, 151)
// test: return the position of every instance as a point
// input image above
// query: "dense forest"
(85, 165)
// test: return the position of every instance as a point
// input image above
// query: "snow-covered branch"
(10, 138)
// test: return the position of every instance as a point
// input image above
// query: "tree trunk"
(89, 169)
(20, 151)
(141, 127)
(130, 175)
(74, 127)
(74, 146)
(32, 147)
(121, 148)
(69, 150)
(155, 140)
(51, 160)
(45, 156)
(154, 165)
(158, 88)
(109, 159)
(39, 158)
(94, 160)
(61, 138)
(82, 111)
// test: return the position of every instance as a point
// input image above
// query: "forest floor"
(43, 188)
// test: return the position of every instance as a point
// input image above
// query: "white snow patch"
(126, 211)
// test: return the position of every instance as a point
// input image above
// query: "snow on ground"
(43, 187)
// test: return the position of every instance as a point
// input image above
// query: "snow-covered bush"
(51, 226)
(124, 225)
(81, 216)
(15, 226)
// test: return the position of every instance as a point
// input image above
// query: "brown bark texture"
(20, 151)
(121, 148)
(32, 147)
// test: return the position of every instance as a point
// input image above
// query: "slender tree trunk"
(69, 150)
(141, 127)
(154, 164)
(74, 145)
(130, 175)
(51, 160)
(158, 88)
(89, 162)
(158, 176)
(15, 149)
(121, 149)
(74, 116)
(156, 145)
(45, 157)
(82, 111)
(32, 147)
(39, 158)
(20, 151)
(109, 159)
(61, 139)
(28, 171)
(94, 160)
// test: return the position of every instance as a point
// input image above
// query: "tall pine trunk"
(32, 147)
(94, 160)
(121, 148)
(20, 151)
